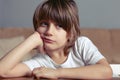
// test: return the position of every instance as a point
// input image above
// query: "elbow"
(2, 71)
(108, 73)
(3, 74)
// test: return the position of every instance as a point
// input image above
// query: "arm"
(101, 70)
(10, 63)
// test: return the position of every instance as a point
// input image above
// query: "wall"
(1, 12)
(18, 12)
(99, 13)
(93, 13)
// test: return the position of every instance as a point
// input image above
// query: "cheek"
(62, 42)
(41, 30)
(63, 38)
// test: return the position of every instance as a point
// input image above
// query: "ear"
(68, 36)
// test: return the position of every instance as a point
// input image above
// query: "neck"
(57, 56)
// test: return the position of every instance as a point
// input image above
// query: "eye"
(44, 24)
(59, 26)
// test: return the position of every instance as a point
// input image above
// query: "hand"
(39, 41)
(43, 72)
(35, 39)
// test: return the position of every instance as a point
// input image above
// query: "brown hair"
(63, 12)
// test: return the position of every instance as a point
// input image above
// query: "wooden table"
(27, 78)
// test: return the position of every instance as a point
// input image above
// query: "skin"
(51, 39)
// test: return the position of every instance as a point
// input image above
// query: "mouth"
(46, 40)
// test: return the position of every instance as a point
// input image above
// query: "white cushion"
(116, 70)
(7, 44)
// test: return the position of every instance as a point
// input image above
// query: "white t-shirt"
(84, 53)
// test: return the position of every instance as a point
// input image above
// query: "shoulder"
(83, 40)
(89, 52)
(83, 43)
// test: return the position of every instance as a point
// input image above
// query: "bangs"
(57, 12)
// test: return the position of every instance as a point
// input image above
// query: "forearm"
(9, 61)
(14, 56)
(97, 71)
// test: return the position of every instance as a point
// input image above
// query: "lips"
(46, 40)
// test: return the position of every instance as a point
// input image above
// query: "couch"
(107, 40)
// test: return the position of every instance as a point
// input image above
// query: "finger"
(36, 70)
(38, 75)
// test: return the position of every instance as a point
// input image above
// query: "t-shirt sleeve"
(38, 61)
(32, 64)
(90, 53)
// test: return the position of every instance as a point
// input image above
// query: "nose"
(50, 30)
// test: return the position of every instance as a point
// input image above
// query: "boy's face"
(53, 35)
